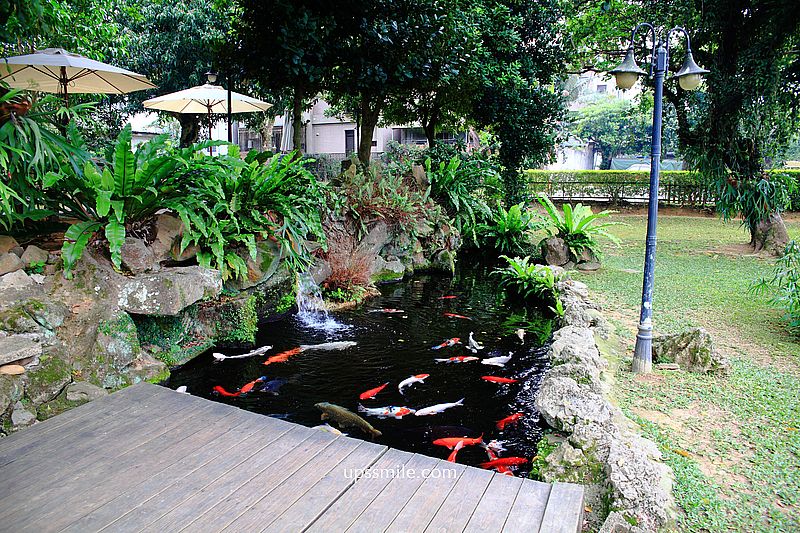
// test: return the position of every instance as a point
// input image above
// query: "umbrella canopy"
(54, 70)
(206, 99)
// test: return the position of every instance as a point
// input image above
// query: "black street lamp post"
(689, 77)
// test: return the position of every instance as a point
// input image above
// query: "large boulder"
(11, 390)
(167, 230)
(34, 254)
(7, 243)
(564, 403)
(10, 263)
(21, 416)
(574, 344)
(83, 391)
(136, 256)
(168, 292)
(692, 349)
(320, 271)
(260, 269)
(377, 237)
(17, 280)
(387, 271)
(555, 251)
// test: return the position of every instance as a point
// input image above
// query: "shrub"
(578, 226)
(350, 264)
(783, 286)
(454, 184)
(524, 278)
(508, 231)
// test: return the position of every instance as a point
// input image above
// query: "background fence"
(677, 188)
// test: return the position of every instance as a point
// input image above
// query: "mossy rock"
(48, 379)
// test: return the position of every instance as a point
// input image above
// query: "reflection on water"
(390, 347)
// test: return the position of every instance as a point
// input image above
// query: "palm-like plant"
(509, 230)
(525, 278)
(578, 226)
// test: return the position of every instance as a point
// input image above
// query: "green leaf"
(115, 234)
(75, 240)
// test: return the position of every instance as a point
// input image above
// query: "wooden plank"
(98, 446)
(564, 512)
(528, 509)
(19, 444)
(203, 482)
(322, 489)
(297, 446)
(492, 510)
(423, 506)
(456, 510)
(385, 507)
(82, 457)
(321, 450)
(349, 506)
(173, 476)
(92, 488)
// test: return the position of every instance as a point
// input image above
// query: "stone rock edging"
(626, 483)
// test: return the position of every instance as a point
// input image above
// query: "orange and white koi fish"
(386, 412)
(419, 378)
(497, 379)
(372, 392)
(446, 297)
(512, 419)
(453, 315)
(456, 448)
(447, 343)
(284, 356)
(450, 442)
(504, 461)
(258, 351)
(458, 359)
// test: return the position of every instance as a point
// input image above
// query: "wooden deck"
(150, 459)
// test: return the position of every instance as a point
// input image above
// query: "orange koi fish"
(247, 387)
(458, 359)
(372, 392)
(453, 315)
(446, 297)
(223, 392)
(283, 356)
(451, 442)
(452, 456)
(448, 343)
(501, 424)
(497, 379)
(504, 462)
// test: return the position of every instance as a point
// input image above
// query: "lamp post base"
(643, 353)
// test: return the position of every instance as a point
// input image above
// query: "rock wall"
(627, 485)
(66, 341)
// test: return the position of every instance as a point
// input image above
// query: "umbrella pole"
(210, 150)
(65, 118)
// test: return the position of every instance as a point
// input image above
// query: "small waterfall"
(311, 306)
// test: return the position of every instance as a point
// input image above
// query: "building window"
(601, 88)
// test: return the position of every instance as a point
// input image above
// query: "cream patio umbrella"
(54, 70)
(207, 99)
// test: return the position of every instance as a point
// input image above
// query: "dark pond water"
(391, 348)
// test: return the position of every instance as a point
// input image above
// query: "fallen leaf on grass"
(682, 453)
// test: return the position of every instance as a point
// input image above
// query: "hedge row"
(676, 187)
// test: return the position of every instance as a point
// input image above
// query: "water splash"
(311, 309)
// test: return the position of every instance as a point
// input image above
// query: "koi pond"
(395, 335)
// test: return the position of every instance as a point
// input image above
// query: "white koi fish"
(498, 361)
(258, 351)
(419, 378)
(473, 345)
(438, 408)
(330, 429)
(341, 345)
(521, 334)
(182, 389)
(386, 412)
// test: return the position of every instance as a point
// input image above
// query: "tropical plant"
(350, 264)
(523, 277)
(783, 286)
(508, 231)
(230, 203)
(578, 226)
(454, 184)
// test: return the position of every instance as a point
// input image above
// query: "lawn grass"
(733, 441)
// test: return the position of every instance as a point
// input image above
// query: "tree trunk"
(265, 130)
(190, 128)
(770, 235)
(297, 120)
(430, 133)
(370, 113)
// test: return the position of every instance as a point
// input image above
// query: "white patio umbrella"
(207, 99)
(54, 70)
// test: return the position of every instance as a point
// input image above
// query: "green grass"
(733, 441)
